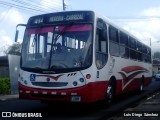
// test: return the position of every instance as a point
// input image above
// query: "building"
(156, 65)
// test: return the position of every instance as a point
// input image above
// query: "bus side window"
(133, 49)
(113, 41)
(139, 46)
(132, 43)
(124, 50)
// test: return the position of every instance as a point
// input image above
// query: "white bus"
(80, 56)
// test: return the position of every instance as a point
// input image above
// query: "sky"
(140, 17)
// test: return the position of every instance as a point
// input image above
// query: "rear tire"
(141, 88)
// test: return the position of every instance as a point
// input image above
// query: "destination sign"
(66, 18)
(81, 16)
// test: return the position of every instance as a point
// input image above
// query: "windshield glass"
(57, 47)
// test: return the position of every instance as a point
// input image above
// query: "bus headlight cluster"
(75, 83)
(25, 82)
(81, 80)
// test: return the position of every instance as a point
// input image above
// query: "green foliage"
(14, 49)
(4, 85)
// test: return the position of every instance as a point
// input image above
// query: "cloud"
(146, 28)
(54, 5)
(8, 21)
(12, 16)
(151, 12)
(6, 41)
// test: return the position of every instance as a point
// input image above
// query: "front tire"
(110, 93)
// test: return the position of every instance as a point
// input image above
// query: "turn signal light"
(88, 76)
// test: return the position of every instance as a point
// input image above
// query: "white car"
(157, 76)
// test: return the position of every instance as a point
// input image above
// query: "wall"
(14, 63)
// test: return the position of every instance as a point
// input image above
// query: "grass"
(4, 85)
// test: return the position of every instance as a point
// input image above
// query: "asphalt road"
(61, 111)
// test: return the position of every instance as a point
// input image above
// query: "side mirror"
(17, 31)
(16, 35)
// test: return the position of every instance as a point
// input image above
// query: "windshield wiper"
(64, 30)
(57, 37)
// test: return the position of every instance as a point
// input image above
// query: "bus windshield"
(57, 47)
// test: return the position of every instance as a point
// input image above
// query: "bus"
(80, 56)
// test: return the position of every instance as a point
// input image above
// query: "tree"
(156, 55)
(14, 49)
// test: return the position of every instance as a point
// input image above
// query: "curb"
(8, 97)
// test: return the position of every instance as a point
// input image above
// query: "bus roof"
(80, 18)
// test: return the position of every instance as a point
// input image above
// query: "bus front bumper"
(91, 92)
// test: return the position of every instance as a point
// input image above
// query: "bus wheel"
(141, 88)
(110, 94)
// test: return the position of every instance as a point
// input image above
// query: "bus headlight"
(25, 82)
(75, 83)
(81, 80)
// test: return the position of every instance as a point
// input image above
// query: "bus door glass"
(101, 44)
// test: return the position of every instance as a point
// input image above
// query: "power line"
(149, 18)
(19, 6)
(34, 7)
(26, 6)
(3, 17)
(30, 4)
(24, 3)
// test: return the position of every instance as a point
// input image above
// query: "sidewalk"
(149, 109)
(8, 97)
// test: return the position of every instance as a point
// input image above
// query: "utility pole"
(64, 5)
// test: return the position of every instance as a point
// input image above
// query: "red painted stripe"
(118, 87)
(129, 69)
(126, 79)
(60, 28)
(36, 30)
(76, 28)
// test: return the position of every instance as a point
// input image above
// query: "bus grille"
(50, 84)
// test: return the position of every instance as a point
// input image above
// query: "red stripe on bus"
(60, 29)
(75, 28)
(129, 69)
(39, 30)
